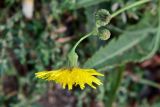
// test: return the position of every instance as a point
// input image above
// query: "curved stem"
(128, 7)
(112, 16)
(80, 40)
(72, 56)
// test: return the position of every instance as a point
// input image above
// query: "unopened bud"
(103, 33)
(102, 17)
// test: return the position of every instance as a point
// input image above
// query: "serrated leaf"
(126, 48)
(137, 43)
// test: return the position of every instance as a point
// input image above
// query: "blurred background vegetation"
(31, 43)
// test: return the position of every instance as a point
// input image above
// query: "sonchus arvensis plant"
(74, 75)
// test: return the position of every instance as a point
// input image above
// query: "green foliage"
(114, 85)
(131, 46)
(126, 48)
(43, 43)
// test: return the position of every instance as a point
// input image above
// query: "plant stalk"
(128, 7)
(80, 40)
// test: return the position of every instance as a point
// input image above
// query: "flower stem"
(112, 16)
(128, 7)
(80, 40)
(72, 56)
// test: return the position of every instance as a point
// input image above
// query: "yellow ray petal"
(72, 77)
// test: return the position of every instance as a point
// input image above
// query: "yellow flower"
(72, 77)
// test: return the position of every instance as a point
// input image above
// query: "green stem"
(112, 16)
(149, 83)
(80, 40)
(72, 56)
(128, 7)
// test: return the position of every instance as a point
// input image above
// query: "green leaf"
(114, 85)
(138, 43)
(131, 46)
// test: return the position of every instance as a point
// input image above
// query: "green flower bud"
(102, 17)
(103, 33)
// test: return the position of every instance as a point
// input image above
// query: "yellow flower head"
(72, 77)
